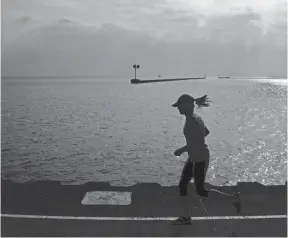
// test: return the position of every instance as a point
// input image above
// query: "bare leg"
(200, 169)
(231, 198)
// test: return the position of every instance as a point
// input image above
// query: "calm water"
(76, 131)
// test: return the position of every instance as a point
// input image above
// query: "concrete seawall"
(138, 81)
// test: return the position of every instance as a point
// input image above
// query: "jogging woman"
(197, 163)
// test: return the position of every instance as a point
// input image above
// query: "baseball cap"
(184, 98)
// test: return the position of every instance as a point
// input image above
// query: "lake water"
(79, 130)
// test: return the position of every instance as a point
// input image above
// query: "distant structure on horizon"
(135, 67)
(137, 81)
(223, 77)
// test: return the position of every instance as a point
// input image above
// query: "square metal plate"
(106, 198)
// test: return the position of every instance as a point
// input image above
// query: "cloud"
(158, 18)
(173, 37)
(26, 19)
(77, 50)
(269, 11)
(65, 21)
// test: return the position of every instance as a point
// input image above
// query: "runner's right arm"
(181, 150)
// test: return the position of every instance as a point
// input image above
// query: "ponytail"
(202, 102)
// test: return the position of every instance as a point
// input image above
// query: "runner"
(197, 163)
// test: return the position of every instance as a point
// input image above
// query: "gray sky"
(171, 38)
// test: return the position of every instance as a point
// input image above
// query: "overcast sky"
(171, 38)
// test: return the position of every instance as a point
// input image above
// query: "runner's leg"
(200, 169)
(186, 176)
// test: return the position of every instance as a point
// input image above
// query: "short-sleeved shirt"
(194, 131)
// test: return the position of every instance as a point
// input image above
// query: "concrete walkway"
(148, 201)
